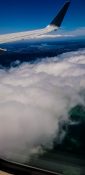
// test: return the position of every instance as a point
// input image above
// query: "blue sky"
(16, 15)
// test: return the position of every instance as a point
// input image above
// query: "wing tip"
(60, 16)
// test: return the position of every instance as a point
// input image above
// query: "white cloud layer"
(78, 32)
(34, 98)
(73, 33)
(62, 33)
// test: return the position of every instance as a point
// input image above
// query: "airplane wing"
(54, 25)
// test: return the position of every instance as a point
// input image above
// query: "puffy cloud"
(34, 98)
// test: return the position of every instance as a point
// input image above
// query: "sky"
(32, 14)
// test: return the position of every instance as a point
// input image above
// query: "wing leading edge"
(54, 25)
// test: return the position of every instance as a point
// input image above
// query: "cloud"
(34, 98)
(52, 36)
(77, 32)
(62, 33)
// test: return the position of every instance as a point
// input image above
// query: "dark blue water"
(32, 52)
